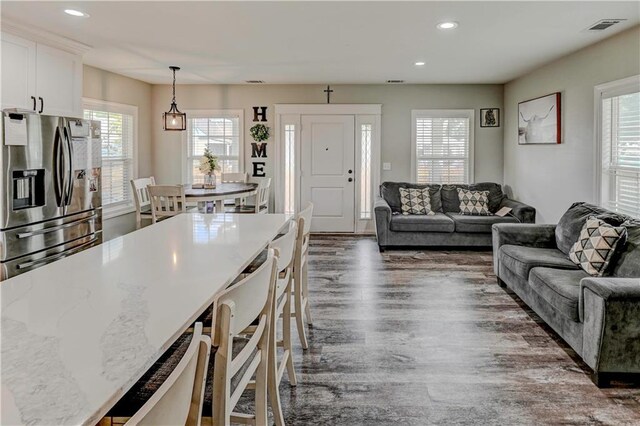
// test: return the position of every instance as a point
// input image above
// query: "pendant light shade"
(174, 119)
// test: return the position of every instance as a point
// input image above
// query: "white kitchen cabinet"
(40, 78)
(18, 72)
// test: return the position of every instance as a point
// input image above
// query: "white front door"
(328, 171)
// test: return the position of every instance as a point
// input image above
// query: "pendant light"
(174, 119)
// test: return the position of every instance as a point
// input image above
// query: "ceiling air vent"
(604, 24)
(255, 81)
(395, 81)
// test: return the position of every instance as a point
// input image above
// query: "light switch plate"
(386, 166)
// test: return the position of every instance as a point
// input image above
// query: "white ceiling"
(324, 42)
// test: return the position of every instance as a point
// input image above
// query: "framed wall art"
(539, 120)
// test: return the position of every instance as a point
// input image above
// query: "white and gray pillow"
(415, 201)
(474, 203)
(596, 246)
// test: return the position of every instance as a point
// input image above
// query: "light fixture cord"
(174, 86)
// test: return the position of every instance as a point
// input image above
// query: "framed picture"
(539, 120)
(489, 117)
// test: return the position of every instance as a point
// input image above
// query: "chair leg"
(261, 388)
(305, 282)
(286, 338)
(297, 297)
(274, 393)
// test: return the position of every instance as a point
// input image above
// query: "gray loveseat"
(447, 227)
(598, 317)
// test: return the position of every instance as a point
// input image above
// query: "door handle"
(350, 179)
(350, 171)
(41, 104)
(56, 228)
(69, 189)
(33, 98)
(58, 168)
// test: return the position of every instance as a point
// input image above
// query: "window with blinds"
(118, 151)
(221, 133)
(620, 147)
(443, 146)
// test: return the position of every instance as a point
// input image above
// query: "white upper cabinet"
(58, 81)
(40, 78)
(18, 72)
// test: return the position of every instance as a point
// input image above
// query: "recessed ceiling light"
(419, 64)
(77, 13)
(448, 25)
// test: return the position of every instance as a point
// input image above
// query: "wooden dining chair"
(300, 275)
(285, 248)
(141, 198)
(261, 203)
(234, 178)
(166, 201)
(243, 310)
(172, 391)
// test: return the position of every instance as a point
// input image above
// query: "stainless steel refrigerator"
(50, 187)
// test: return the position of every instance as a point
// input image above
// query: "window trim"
(619, 87)
(206, 113)
(445, 113)
(118, 209)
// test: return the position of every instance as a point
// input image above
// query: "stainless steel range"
(50, 188)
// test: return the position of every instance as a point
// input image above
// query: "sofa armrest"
(521, 234)
(610, 310)
(523, 212)
(382, 212)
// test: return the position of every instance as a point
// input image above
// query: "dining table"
(76, 334)
(222, 191)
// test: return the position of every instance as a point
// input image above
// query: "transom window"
(221, 132)
(119, 157)
(618, 106)
(442, 146)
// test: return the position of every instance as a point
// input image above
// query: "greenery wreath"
(259, 132)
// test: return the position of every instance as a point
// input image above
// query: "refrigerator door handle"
(56, 256)
(69, 165)
(56, 228)
(58, 168)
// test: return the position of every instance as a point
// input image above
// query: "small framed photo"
(490, 117)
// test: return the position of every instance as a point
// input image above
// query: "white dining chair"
(300, 274)
(141, 198)
(285, 248)
(243, 310)
(234, 178)
(166, 201)
(172, 391)
(261, 202)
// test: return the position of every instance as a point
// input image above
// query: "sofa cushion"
(560, 288)
(422, 223)
(390, 191)
(626, 261)
(520, 259)
(474, 203)
(415, 201)
(597, 245)
(572, 221)
(451, 202)
(478, 224)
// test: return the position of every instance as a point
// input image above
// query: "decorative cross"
(328, 91)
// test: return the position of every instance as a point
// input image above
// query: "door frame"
(364, 114)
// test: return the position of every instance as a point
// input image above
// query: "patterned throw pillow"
(596, 246)
(474, 203)
(415, 201)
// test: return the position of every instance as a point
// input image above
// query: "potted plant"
(208, 166)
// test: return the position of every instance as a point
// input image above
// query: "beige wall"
(550, 178)
(107, 86)
(397, 103)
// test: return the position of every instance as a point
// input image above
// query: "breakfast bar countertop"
(78, 333)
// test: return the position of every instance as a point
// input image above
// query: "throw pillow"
(415, 201)
(474, 203)
(596, 246)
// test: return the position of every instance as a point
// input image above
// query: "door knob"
(350, 171)
(350, 179)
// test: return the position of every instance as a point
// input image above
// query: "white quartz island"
(78, 333)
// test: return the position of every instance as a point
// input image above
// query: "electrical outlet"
(386, 166)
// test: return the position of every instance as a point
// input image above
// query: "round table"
(222, 191)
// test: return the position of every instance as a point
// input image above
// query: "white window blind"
(620, 148)
(443, 146)
(118, 151)
(221, 133)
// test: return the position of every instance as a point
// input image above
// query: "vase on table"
(209, 181)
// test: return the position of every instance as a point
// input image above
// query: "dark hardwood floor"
(423, 337)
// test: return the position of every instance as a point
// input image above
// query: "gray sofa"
(598, 317)
(447, 227)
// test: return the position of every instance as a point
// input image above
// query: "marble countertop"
(76, 334)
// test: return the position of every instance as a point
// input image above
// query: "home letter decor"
(260, 113)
